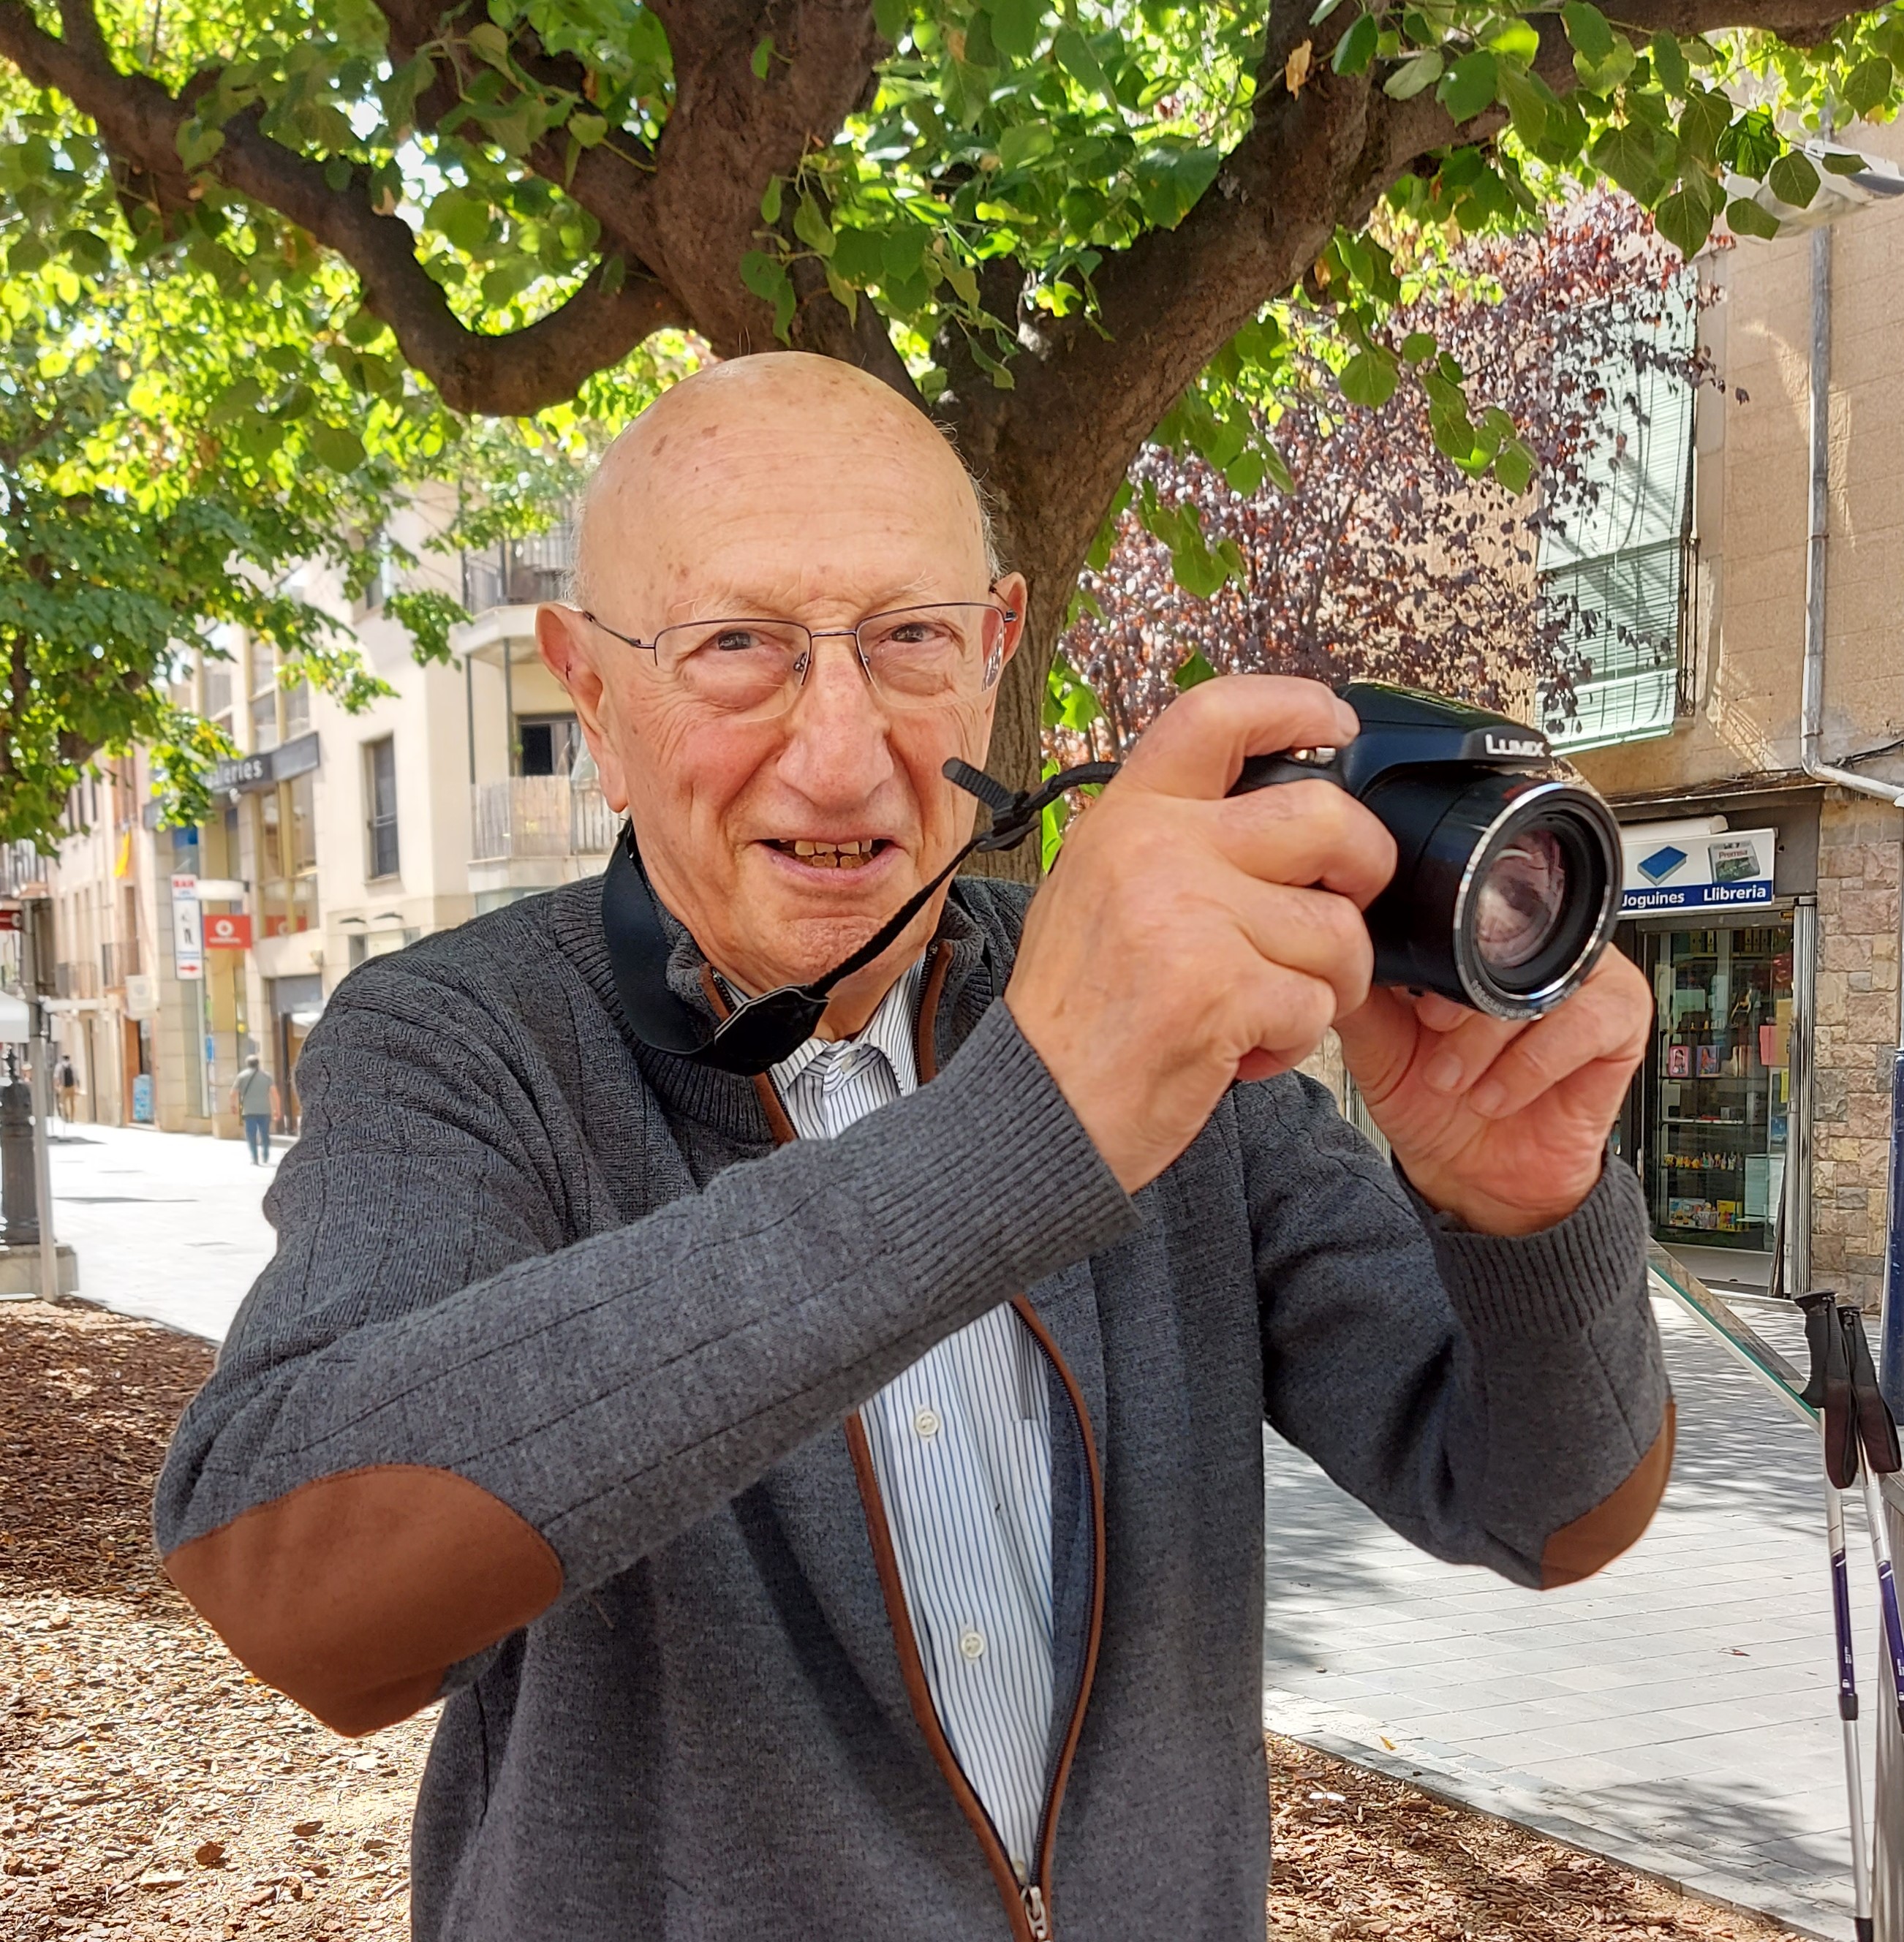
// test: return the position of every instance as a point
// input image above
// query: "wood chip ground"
(149, 1787)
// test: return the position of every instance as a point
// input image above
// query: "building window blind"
(1614, 565)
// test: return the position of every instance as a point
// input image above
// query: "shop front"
(1712, 908)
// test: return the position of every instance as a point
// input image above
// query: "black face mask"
(760, 1032)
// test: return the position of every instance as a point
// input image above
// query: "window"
(1614, 572)
(264, 697)
(380, 804)
(297, 710)
(549, 744)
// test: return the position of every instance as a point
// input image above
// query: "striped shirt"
(961, 1446)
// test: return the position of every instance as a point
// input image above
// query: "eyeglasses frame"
(814, 634)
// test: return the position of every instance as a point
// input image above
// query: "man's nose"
(836, 752)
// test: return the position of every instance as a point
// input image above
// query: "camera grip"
(1264, 771)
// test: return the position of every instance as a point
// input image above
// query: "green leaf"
(1684, 222)
(762, 58)
(1025, 143)
(588, 130)
(859, 255)
(1468, 86)
(1368, 378)
(196, 145)
(762, 275)
(1744, 217)
(242, 394)
(1842, 162)
(1015, 24)
(1356, 48)
(811, 226)
(1669, 64)
(1075, 56)
(335, 447)
(489, 43)
(1703, 120)
(1418, 72)
(1277, 468)
(1629, 157)
(1528, 100)
(770, 201)
(1192, 671)
(1750, 145)
(1514, 466)
(1418, 347)
(1516, 42)
(1792, 179)
(1587, 29)
(1868, 86)
(891, 17)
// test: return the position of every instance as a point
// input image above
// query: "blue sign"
(1731, 870)
(142, 1099)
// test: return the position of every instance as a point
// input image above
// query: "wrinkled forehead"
(776, 505)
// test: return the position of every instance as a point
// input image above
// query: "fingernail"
(1488, 1098)
(1442, 1073)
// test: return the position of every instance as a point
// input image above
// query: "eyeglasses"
(914, 657)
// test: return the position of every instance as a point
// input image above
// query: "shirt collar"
(890, 1029)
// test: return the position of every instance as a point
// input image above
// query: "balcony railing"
(117, 962)
(79, 980)
(539, 816)
(519, 573)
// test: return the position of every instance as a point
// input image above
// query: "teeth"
(850, 855)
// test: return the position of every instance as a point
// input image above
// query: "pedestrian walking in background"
(67, 1082)
(254, 1093)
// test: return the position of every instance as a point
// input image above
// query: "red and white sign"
(227, 930)
(10, 919)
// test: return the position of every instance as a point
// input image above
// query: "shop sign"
(245, 774)
(1729, 871)
(10, 918)
(227, 930)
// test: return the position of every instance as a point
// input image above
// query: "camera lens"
(1506, 887)
(1520, 900)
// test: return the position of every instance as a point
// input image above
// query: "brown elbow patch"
(354, 1594)
(1578, 1549)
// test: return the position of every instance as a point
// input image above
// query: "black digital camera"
(1508, 875)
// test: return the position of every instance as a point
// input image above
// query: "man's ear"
(1013, 589)
(562, 639)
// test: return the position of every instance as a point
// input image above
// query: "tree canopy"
(1055, 228)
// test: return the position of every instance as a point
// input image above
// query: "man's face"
(779, 488)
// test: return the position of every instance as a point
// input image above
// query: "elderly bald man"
(829, 1502)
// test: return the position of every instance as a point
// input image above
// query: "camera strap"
(760, 1032)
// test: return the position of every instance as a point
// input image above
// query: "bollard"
(18, 1209)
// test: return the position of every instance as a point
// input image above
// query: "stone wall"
(1855, 1042)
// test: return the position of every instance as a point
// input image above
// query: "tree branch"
(509, 375)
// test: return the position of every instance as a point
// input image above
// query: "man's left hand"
(1504, 1125)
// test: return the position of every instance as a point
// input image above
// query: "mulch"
(150, 1787)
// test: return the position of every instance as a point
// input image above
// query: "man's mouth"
(851, 854)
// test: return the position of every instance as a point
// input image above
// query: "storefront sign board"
(1729, 871)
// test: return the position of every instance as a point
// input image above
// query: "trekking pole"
(1829, 1393)
(1877, 1437)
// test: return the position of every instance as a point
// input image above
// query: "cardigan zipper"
(1027, 1904)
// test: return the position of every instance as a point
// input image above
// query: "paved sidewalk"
(1676, 1712)
(165, 1225)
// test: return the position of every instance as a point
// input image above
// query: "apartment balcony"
(519, 573)
(78, 980)
(532, 832)
(117, 962)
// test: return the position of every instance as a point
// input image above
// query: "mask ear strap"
(637, 956)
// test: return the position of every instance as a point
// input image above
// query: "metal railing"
(519, 573)
(20, 864)
(117, 962)
(538, 815)
(80, 980)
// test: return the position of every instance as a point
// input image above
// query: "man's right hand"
(1187, 938)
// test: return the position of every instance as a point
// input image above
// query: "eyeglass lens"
(916, 657)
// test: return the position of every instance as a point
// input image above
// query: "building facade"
(1763, 836)
(334, 837)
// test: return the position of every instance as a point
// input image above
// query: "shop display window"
(1718, 1084)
